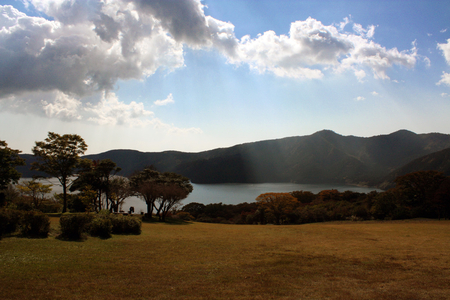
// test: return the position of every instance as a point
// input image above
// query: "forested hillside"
(323, 157)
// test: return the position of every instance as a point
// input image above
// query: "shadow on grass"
(168, 221)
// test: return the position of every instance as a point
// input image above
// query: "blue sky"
(191, 76)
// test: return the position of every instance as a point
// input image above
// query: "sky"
(190, 75)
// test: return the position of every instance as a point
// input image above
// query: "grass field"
(345, 260)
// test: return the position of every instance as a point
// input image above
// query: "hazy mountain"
(437, 161)
(323, 157)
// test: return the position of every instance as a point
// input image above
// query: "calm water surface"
(235, 193)
(230, 193)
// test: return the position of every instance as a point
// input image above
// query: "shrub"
(185, 216)
(361, 212)
(125, 224)
(101, 226)
(9, 221)
(147, 218)
(73, 226)
(35, 224)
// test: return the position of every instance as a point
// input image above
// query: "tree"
(120, 190)
(329, 195)
(304, 196)
(418, 189)
(98, 175)
(279, 205)
(9, 160)
(174, 188)
(59, 156)
(35, 190)
(194, 208)
(146, 185)
(160, 191)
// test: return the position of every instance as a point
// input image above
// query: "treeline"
(95, 183)
(424, 194)
(95, 187)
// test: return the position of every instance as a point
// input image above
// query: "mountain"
(323, 157)
(437, 161)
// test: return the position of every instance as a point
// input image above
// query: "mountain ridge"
(322, 157)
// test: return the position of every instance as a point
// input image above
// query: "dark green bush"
(185, 216)
(73, 226)
(35, 224)
(125, 224)
(101, 226)
(9, 221)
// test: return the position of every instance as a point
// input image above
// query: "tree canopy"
(160, 191)
(277, 204)
(9, 160)
(97, 175)
(58, 156)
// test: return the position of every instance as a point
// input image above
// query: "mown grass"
(345, 260)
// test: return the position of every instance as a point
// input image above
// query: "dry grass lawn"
(342, 260)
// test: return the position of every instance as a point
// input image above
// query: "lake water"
(235, 193)
(230, 193)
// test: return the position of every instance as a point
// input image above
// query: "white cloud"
(63, 107)
(374, 93)
(312, 47)
(55, 67)
(444, 95)
(360, 74)
(166, 101)
(427, 61)
(85, 58)
(443, 30)
(368, 33)
(110, 111)
(445, 79)
(344, 23)
(359, 98)
(445, 48)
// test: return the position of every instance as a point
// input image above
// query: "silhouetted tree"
(9, 160)
(146, 184)
(59, 156)
(97, 174)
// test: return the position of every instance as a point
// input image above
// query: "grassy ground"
(346, 260)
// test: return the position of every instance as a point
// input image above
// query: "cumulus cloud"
(42, 55)
(63, 107)
(368, 33)
(312, 47)
(374, 93)
(66, 65)
(166, 101)
(445, 79)
(445, 48)
(360, 98)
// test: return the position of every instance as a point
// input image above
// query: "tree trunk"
(64, 197)
(149, 209)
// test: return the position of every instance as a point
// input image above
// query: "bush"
(101, 226)
(147, 218)
(185, 216)
(9, 221)
(73, 226)
(35, 224)
(125, 224)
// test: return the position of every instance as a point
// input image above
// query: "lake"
(230, 193)
(235, 193)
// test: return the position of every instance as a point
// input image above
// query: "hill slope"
(323, 157)
(437, 161)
